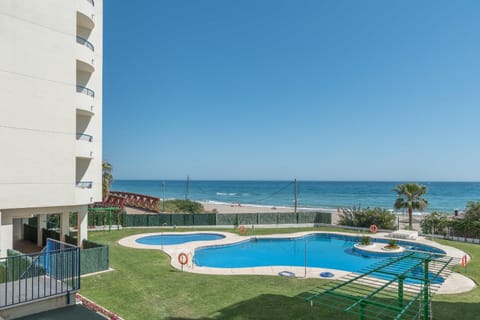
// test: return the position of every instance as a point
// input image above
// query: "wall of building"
(39, 109)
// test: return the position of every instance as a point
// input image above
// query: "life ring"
(242, 230)
(286, 274)
(326, 274)
(373, 228)
(183, 258)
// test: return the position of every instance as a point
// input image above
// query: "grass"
(145, 286)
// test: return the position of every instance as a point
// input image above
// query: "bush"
(364, 218)
(435, 223)
(182, 206)
(366, 241)
(392, 244)
(472, 211)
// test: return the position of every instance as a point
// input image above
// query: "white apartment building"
(50, 113)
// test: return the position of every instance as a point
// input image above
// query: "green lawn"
(145, 286)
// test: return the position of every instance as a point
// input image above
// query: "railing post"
(400, 290)
(426, 297)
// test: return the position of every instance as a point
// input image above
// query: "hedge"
(222, 219)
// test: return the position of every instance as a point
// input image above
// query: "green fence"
(223, 219)
(94, 257)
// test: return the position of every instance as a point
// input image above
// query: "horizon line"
(303, 180)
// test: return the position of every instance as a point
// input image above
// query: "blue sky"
(272, 89)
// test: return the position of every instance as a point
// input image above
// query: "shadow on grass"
(443, 310)
(271, 306)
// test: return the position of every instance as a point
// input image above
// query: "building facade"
(50, 113)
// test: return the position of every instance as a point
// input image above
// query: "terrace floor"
(76, 312)
(26, 246)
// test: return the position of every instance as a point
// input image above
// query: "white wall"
(38, 116)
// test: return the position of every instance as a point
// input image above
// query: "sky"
(308, 89)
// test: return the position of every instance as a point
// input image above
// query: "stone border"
(460, 284)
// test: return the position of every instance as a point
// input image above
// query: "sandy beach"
(240, 208)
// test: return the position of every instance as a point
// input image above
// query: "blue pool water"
(169, 239)
(319, 250)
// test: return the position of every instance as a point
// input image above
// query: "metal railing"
(85, 90)
(85, 42)
(84, 184)
(84, 137)
(28, 277)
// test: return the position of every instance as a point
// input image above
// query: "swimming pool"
(172, 239)
(329, 251)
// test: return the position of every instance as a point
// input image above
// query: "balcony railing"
(84, 137)
(27, 277)
(84, 184)
(85, 90)
(85, 42)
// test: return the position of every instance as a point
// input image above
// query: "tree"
(107, 179)
(472, 211)
(410, 198)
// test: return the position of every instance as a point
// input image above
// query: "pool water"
(315, 250)
(172, 239)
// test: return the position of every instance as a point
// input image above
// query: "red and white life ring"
(183, 258)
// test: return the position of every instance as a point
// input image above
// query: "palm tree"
(410, 198)
(107, 178)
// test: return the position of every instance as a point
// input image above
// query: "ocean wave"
(226, 194)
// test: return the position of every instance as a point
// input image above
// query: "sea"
(442, 196)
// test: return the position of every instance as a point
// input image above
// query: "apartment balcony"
(84, 65)
(84, 146)
(84, 101)
(84, 192)
(85, 14)
(85, 55)
(84, 184)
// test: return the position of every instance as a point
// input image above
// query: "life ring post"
(373, 228)
(182, 259)
(242, 230)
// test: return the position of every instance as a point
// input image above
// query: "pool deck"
(455, 283)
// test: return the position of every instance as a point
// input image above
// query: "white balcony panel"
(84, 104)
(84, 195)
(84, 149)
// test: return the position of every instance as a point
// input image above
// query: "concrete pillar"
(41, 224)
(82, 225)
(3, 251)
(6, 234)
(17, 229)
(64, 225)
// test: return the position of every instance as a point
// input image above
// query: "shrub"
(366, 241)
(357, 217)
(435, 223)
(392, 244)
(182, 206)
(472, 211)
